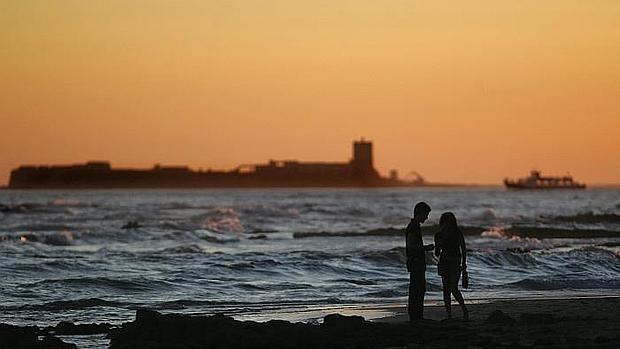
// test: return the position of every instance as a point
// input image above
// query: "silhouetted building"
(359, 171)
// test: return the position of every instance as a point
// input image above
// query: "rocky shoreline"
(576, 323)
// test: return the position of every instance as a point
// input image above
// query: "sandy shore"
(551, 323)
(595, 307)
(518, 323)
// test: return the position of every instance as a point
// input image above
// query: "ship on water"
(536, 181)
(359, 171)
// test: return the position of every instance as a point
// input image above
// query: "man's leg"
(417, 288)
(420, 292)
(411, 301)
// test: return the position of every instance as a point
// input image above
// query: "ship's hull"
(521, 186)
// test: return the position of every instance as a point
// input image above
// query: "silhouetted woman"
(450, 248)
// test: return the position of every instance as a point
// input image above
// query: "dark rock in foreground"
(496, 330)
(69, 328)
(15, 337)
(154, 330)
(498, 317)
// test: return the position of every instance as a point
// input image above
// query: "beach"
(552, 323)
(516, 323)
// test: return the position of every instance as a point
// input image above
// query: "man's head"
(421, 211)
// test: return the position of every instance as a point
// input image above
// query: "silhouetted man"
(416, 261)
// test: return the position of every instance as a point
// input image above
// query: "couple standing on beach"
(449, 247)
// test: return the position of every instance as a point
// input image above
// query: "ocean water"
(65, 256)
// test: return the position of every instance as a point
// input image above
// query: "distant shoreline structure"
(358, 172)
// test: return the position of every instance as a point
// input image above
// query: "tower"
(362, 154)
(361, 163)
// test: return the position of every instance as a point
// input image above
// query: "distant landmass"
(358, 172)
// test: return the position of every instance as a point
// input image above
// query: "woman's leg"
(454, 289)
(445, 280)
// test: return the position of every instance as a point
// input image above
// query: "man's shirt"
(414, 245)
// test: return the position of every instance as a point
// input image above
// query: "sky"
(459, 91)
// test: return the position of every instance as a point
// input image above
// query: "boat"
(536, 181)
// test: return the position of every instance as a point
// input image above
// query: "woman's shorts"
(449, 268)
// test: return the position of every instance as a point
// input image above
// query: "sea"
(70, 255)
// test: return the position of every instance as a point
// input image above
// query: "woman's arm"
(463, 251)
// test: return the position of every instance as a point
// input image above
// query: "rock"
(498, 317)
(543, 342)
(147, 316)
(51, 342)
(16, 337)
(602, 339)
(69, 328)
(343, 322)
(153, 330)
(537, 318)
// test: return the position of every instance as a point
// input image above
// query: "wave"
(231, 307)
(40, 227)
(396, 254)
(590, 218)
(561, 233)
(29, 208)
(487, 215)
(505, 258)
(178, 304)
(373, 232)
(186, 249)
(217, 238)
(564, 283)
(63, 238)
(278, 211)
(133, 285)
(514, 231)
(386, 294)
(264, 265)
(67, 305)
(70, 203)
(54, 206)
(219, 219)
(387, 231)
(359, 282)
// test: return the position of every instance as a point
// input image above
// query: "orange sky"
(460, 91)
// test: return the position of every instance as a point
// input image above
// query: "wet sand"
(594, 307)
(550, 323)
(517, 323)
(553, 323)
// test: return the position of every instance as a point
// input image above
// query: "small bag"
(465, 279)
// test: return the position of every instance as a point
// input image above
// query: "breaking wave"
(516, 232)
(565, 283)
(590, 218)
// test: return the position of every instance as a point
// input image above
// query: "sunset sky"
(460, 91)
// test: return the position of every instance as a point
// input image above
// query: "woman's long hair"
(448, 234)
(448, 224)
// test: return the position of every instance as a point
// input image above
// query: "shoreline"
(481, 308)
(575, 322)
(397, 312)
(563, 322)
